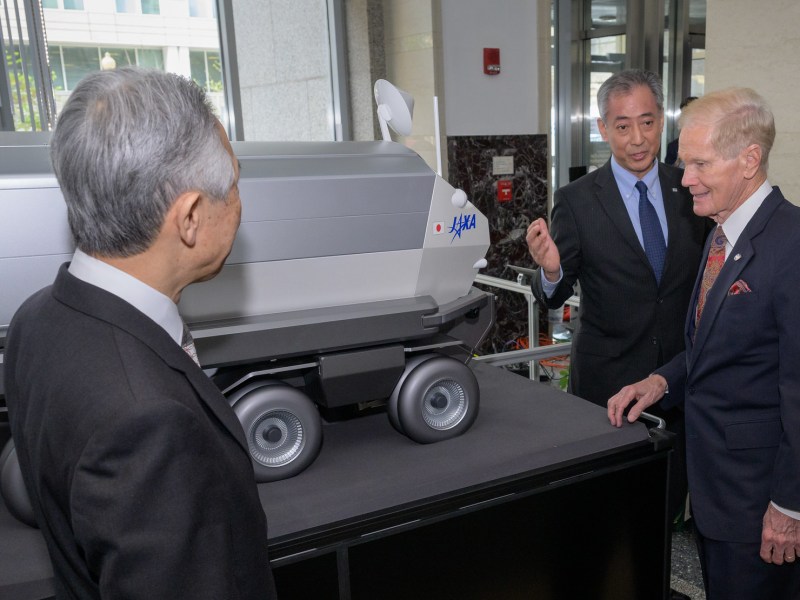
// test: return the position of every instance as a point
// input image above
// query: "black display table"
(541, 498)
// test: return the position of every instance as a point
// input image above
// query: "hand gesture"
(543, 249)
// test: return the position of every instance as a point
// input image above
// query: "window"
(79, 62)
(203, 8)
(150, 7)
(23, 106)
(26, 104)
(144, 7)
(150, 58)
(41, 69)
(206, 70)
(70, 64)
(65, 4)
(608, 57)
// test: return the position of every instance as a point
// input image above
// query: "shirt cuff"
(549, 287)
(789, 513)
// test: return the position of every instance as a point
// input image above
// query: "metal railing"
(534, 353)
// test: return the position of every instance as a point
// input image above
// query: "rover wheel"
(436, 398)
(282, 427)
(12, 487)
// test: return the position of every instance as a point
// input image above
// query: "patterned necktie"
(652, 236)
(187, 343)
(716, 258)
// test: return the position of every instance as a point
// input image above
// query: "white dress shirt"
(141, 296)
(735, 223)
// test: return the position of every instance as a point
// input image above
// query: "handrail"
(513, 357)
(535, 353)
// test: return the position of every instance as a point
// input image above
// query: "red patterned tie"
(187, 343)
(716, 258)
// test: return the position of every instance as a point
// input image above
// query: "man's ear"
(601, 126)
(752, 160)
(186, 216)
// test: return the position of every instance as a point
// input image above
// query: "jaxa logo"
(461, 223)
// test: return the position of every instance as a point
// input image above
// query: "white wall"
(504, 104)
(756, 44)
(410, 65)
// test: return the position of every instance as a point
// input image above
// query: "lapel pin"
(737, 257)
(674, 189)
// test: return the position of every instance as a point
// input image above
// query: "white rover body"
(349, 285)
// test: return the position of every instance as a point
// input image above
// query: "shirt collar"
(138, 294)
(627, 180)
(734, 225)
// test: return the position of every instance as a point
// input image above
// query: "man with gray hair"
(627, 234)
(738, 379)
(137, 468)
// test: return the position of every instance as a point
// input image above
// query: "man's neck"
(147, 268)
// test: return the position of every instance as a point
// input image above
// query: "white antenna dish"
(395, 108)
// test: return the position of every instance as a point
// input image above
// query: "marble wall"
(474, 162)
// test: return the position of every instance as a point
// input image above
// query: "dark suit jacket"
(137, 468)
(672, 152)
(629, 325)
(739, 381)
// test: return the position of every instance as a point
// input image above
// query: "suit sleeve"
(786, 474)
(564, 231)
(147, 507)
(675, 374)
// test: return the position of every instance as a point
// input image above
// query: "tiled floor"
(686, 575)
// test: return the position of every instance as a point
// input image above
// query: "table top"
(365, 467)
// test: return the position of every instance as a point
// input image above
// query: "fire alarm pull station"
(491, 61)
(505, 190)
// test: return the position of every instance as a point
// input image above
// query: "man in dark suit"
(738, 379)
(137, 468)
(631, 312)
(632, 304)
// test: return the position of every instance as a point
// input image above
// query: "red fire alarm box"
(491, 61)
(505, 190)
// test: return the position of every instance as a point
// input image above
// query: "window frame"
(231, 115)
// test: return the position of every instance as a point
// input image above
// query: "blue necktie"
(654, 246)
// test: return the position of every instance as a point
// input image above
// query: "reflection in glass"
(69, 63)
(608, 57)
(203, 8)
(608, 13)
(698, 71)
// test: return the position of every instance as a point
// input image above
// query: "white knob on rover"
(459, 199)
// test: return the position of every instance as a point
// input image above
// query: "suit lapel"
(612, 203)
(213, 398)
(673, 200)
(607, 193)
(107, 307)
(741, 255)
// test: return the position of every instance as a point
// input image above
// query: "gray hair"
(624, 82)
(738, 117)
(127, 143)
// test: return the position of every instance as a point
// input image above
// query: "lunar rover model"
(349, 287)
